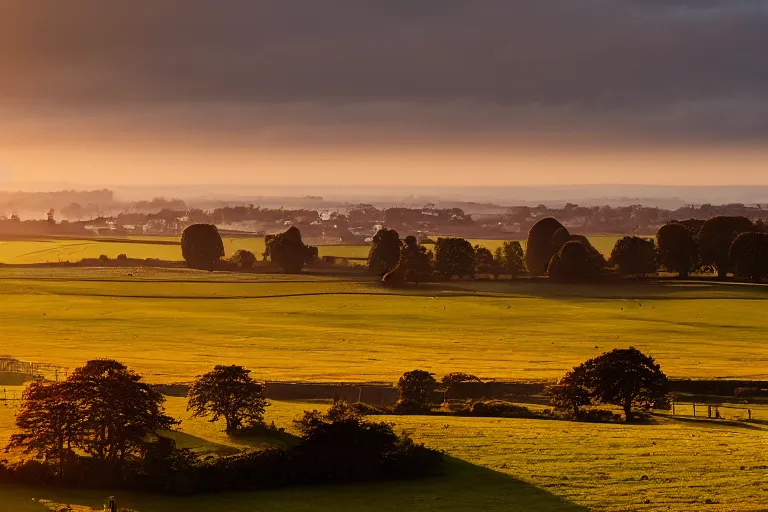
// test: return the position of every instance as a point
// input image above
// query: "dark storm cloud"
(692, 69)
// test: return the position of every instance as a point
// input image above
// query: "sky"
(404, 92)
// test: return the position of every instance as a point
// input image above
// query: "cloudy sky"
(407, 91)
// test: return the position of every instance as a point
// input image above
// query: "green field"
(22, 252)
(501, 465)
(171, 325)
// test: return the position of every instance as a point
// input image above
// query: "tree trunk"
(628, 410)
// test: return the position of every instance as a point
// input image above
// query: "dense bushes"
(201, 246)
(496, 409)
(288, 251)
(243, 260)
(715, 239)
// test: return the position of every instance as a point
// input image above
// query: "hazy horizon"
(265, 93)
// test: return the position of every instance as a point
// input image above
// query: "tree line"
(104, 427)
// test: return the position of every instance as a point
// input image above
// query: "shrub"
(406, 406)
(452, 380)
(244, 260)
(677, 248)
(749, 256)
(288, 251)
(715, 239)
(574, 263)
(597, 416)
(497, 409)
(634, 256)
(201, 246)
(539, 249)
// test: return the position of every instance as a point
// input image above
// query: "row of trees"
(625, 378)
(103, 426)
(202, 248)
(408, 260)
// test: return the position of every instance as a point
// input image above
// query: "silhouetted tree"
(715, 239)
(385, 251)
(414, 265)
(539, 248)
(118, 414)
(574, 263)
(560, 238)
(511, 258)
(677, 248)
(634, 256)
(288, 251)
(228, 392)
(49, 423)
(454, 257)
(570, 393)
(626, 378)
(749, 256)
(485, 263)
(201, 246)
(415, 389)
(452, 380)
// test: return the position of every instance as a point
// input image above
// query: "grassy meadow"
(498, 465)
(171, 325)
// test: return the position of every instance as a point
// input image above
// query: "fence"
(725, 411)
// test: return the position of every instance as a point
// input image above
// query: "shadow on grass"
(465, 487)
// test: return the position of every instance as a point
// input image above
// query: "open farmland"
(171, 325)
(55, 250)
(499, 465)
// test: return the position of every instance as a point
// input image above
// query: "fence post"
(749, 413)
(673, 407)
(694, 410)
(709, 411)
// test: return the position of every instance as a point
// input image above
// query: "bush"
(634, 256)
(288, 251)
(598, 416)
(574, 263)
(201, 246)
(407, 406)
(496, 409)
(385, 251)
(540, 249)
(244, 260)
(749, 256)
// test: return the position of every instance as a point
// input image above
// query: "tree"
(48, 421)
(288, 251)
(454, 257)
(414, 265)
(626, 378)
(452, 380)
(715, 239)
(539, 248)
(511, 258)
(570, 394)
(417, 386)
(677, 248)
(574, 263)
(634, 256)
(485, 263)
(560, 237)
(117, 413)
(749, 256)
(245, 260)
(385, 251)
(228, 392)
(201, 246)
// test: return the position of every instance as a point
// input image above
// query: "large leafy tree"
(228, 392)
(715, 239)
(626, 378)
(574, 263)
(48, 422)
(385, 251)
(677, 248)
(485, 263)
(540, 247)
(201, 246)
(414, 265)
(454, 257)
(417, 385)
(118, 413)
(511, 258)
(749, 256)
(634, 256)
(570, 393)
